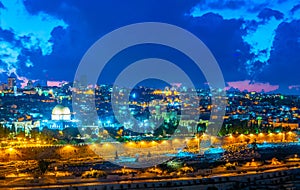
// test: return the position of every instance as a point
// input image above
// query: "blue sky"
(256, 43)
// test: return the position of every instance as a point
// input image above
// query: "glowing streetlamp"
(231, 138)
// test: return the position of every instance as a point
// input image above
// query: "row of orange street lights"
(23, 142)
(270, 137)
(150, 143)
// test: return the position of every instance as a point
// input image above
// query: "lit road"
(60, 183)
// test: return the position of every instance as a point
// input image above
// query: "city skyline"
(174, 94)
(255, 43)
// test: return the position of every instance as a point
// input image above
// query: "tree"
(61, 142)
(35, 133)
(98, 140)
(21, 134)
(4, 131)
(88, 131)
(43, 166)
(70, 132)
(47, 133)
(201, 128)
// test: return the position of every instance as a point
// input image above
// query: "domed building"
(60, 112)
(60, 119)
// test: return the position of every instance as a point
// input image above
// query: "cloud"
(267, 14)
(250, 87)
(295, 9)
(55, 83)
(284, 61)
(296, 87)
(1, 6)
(36, 28)
(224, 39)
(20, 30)
(248, 38)
(89, 22)
(261, 20)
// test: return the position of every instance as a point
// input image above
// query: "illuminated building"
(11, 82)
(60, 112)
(60, 119)
(29, 84)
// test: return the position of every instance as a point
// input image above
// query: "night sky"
(256, 43)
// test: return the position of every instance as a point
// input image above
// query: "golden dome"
(60, 112)
(66, 111)
(57, 110)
